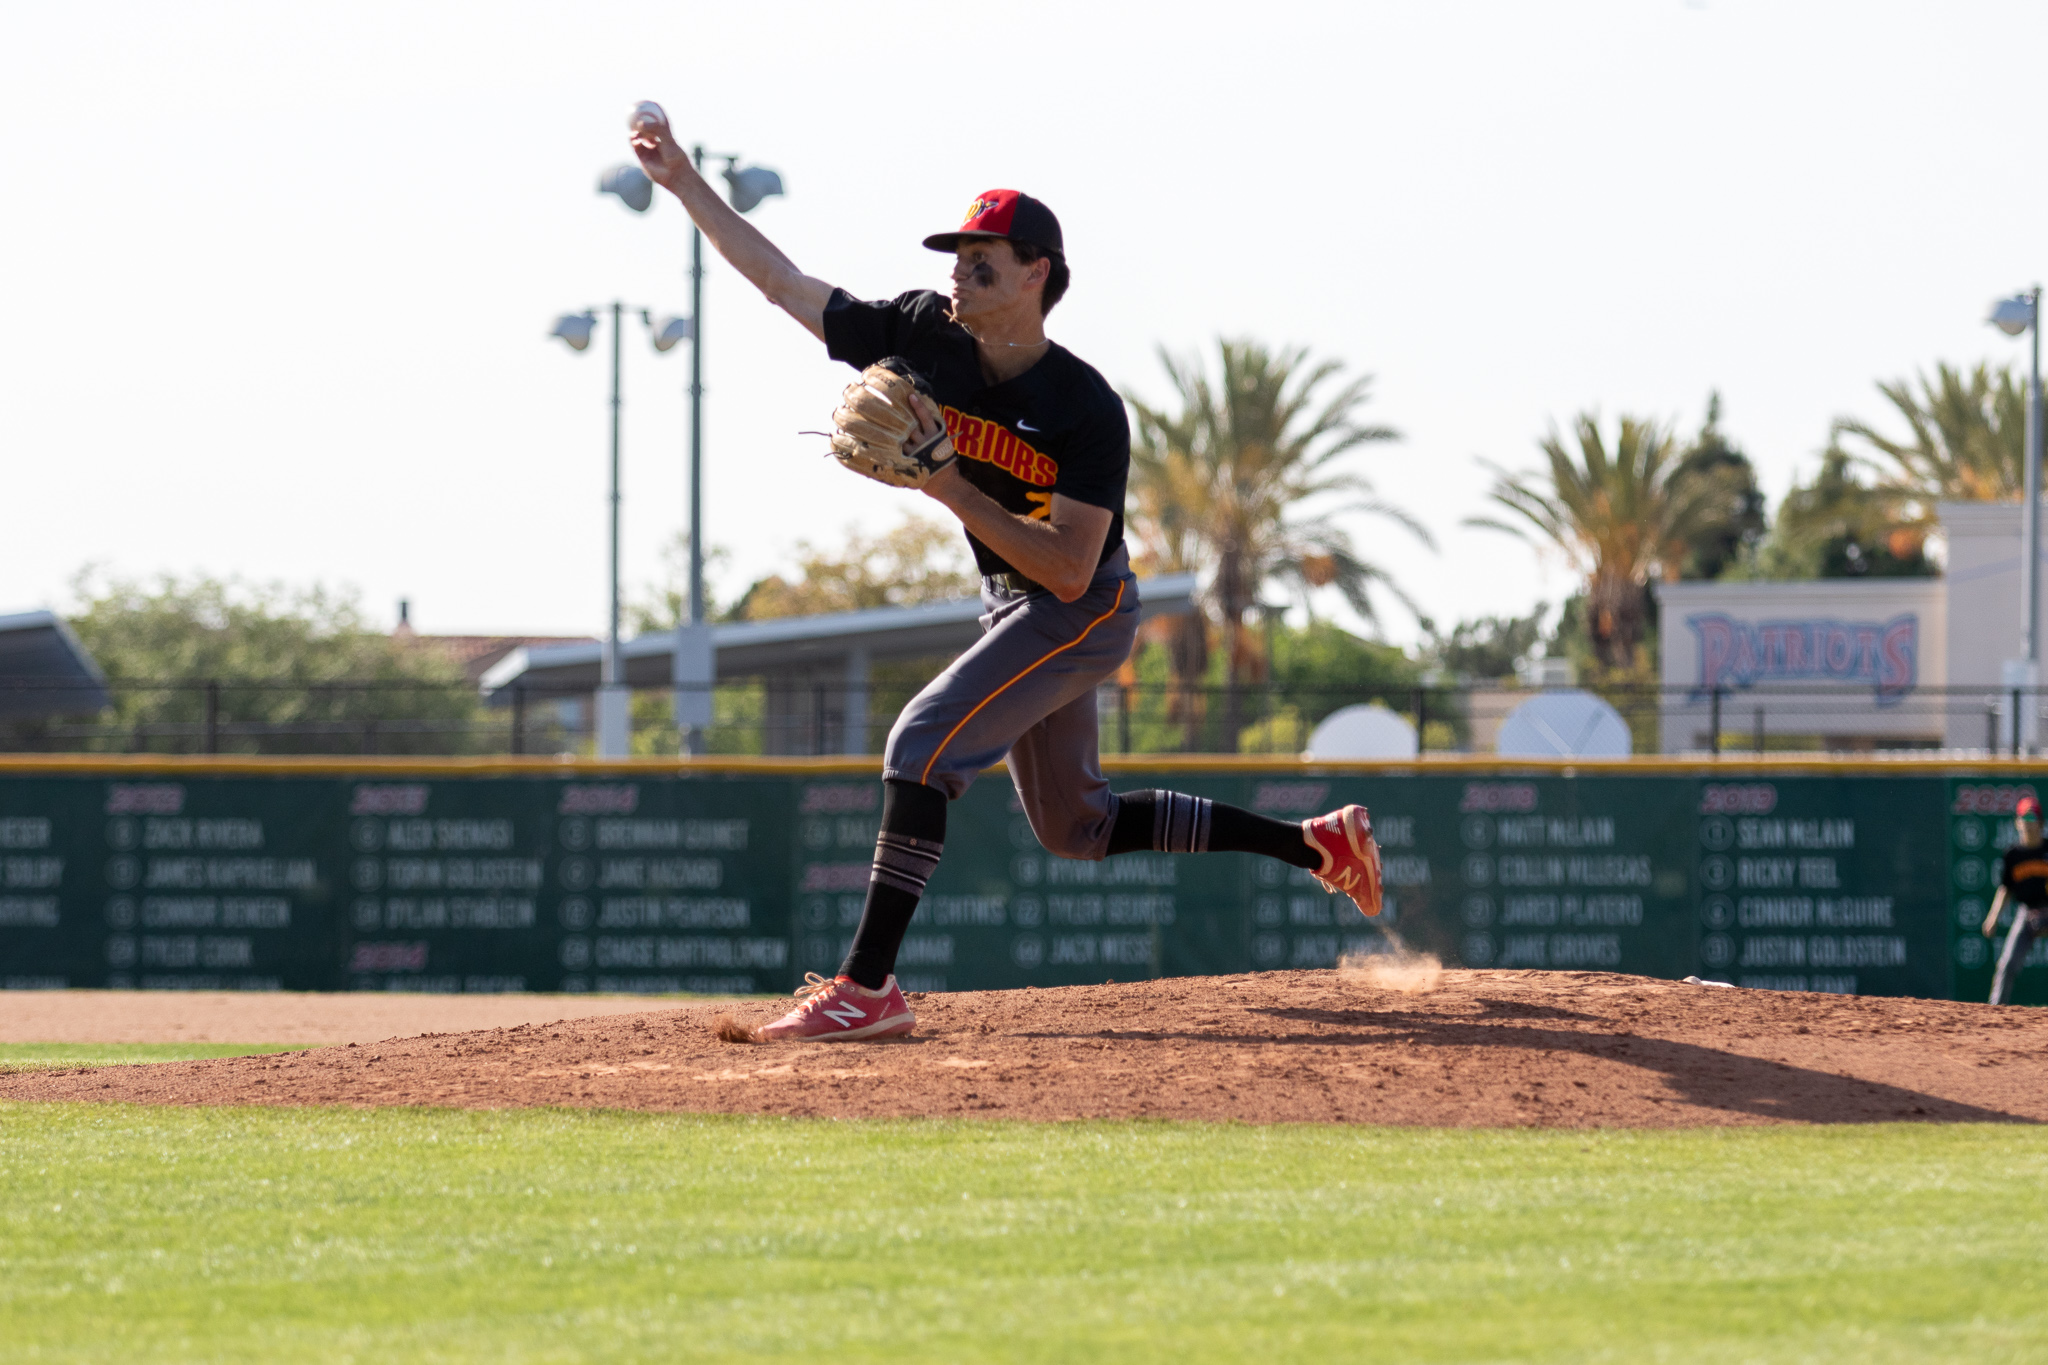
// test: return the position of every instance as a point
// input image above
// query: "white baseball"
(646, 112)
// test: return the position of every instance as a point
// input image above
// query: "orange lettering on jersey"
(1041, 506)
(2029, 869)
(970, 437)
(994, 443)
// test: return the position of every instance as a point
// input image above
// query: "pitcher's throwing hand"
(654, 143)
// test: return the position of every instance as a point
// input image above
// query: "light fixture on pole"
(614, 698)
(670, 333)
(693, 668)
(748, 185)
(576, 329)
(632, 186)
(2022, 313)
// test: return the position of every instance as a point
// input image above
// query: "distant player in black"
(2023, 880)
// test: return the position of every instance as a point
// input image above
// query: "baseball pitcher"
(963, 398)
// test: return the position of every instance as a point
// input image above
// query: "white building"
(1857, 663)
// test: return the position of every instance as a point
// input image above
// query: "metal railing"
(806, 716)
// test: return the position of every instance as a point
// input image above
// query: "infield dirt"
(1485, 1048)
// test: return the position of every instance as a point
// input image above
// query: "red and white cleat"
(1351, 860)
(839, 1009)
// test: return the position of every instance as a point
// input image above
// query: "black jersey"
(1056, 428)
(2025, 875)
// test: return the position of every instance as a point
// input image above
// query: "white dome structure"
(1565, 724)
(1362, 732)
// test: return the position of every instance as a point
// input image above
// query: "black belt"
(1014, 581)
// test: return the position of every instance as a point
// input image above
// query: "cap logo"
(979, 207)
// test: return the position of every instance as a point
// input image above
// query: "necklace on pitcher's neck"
(955, 319)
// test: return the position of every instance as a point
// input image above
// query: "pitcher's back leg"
(1057, 768)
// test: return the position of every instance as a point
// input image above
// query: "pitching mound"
(1543, 1049)
(281, 1016)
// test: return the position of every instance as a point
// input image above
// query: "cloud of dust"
(730, 1030)
(1401, 968)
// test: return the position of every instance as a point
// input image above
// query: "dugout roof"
(751, 649)
(45, 670)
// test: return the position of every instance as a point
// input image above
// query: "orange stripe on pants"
(925, 778)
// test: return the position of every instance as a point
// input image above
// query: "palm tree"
(1219, 484)
(1619, 518)
(1966, 441)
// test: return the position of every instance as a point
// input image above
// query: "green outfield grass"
(38, 1056)
(540, 1235)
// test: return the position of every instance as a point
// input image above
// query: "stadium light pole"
(693, 669)
(614, 700)
(2022, 313)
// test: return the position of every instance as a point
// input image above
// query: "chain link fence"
(779, 716)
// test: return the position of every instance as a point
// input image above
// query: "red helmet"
(2028, 808)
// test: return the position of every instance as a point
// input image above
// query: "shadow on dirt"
(1521, 1009)
(1696, 1074)
(1699, 1074)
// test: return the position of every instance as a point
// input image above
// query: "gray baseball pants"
(1026, 691)
(2026, 925)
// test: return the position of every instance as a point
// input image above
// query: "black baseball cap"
(1009, 214)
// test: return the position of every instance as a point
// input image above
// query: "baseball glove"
(875, 430)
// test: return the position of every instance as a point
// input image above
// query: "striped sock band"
(1180, 823)
(905, 863)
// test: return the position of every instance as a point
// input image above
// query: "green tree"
(1732, 524)
(1321, 666)
(1221, 484)
(1483, 649)
(297, 670)
(1838, 526)
(918, 561)
(1314, 669)
(663, 604)
(1620, 517)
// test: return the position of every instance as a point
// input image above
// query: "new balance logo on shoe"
(1350, 856)
(845, 1013)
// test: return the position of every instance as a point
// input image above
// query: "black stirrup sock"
(906, 854)
(1173, 822)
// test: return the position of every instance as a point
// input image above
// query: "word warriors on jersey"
(991, 442)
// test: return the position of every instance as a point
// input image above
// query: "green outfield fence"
(739, 875)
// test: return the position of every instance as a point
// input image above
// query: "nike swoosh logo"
(1023, 426)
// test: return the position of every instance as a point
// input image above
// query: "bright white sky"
(277, 278)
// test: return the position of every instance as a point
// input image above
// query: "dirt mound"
(1542, 1049)
(280, 1016)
